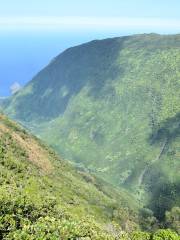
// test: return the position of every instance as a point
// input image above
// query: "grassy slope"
(112, 106)
(29, 170)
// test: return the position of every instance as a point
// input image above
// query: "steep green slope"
(112, 106)
(43, 197)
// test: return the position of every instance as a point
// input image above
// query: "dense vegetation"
(112, 107)
(42, 197)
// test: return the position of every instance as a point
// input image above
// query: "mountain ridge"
(109, 106)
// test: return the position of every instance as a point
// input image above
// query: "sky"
(98, 8)
(33, 32)
(75, 14)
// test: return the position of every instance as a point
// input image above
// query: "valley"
(110, 109)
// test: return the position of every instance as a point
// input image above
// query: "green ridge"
(112, 107)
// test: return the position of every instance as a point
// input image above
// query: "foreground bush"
(22, 220)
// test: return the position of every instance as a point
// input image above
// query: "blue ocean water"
(24, 53)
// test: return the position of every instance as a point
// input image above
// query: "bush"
(173, 219)
(165, 235)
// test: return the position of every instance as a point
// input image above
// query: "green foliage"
(140, 236)
(173, 219)
(20, 219)
(57, 204)
(165, 235)
(114, 111)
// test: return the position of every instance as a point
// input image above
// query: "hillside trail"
(143, 173)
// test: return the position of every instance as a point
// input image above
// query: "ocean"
(24, 53)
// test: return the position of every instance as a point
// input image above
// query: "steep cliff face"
(112, 106)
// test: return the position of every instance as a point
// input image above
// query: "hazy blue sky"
(91, 13)
(99, 8)
(32, 32)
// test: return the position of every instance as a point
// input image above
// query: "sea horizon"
(32, 49)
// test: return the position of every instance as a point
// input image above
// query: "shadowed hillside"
(112, 107)
(43, 197)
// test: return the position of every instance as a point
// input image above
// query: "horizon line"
(74, 22)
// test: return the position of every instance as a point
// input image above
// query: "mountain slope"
(112, 106)
(1, 101)
(41, 194)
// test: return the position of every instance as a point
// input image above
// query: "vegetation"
(42, 197)
(112, 107)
